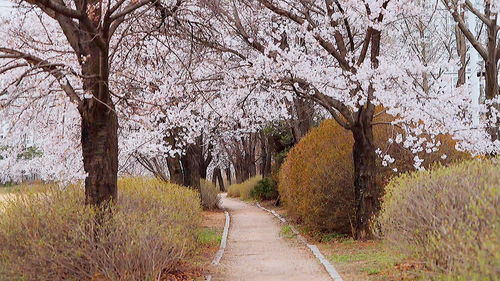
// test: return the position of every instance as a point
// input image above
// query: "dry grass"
(52, 235)
(242, 190)
(209, 194)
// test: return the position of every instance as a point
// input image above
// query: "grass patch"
(209, 236)
(286, 232)
(369, 260)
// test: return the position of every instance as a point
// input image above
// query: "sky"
(4, 7)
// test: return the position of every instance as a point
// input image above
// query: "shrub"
(52, 235)
(316, 182)
(243, 189)
(209, 195)
(264, 190)
(449, 218)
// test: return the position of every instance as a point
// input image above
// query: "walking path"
(256, 252)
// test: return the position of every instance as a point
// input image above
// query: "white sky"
(4, 7)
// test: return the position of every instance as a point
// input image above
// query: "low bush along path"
(256, 251)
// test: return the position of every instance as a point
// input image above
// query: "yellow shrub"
(243, 189)
(52, 235)
(316, 182)
(448, 217)
(209, 195)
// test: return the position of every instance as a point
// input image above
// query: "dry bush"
(52, 235)
(449, 217)
(209, 194)
(316, 182)
(242, 190)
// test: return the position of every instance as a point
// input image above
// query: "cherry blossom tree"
(486, 42)
(59, 58)
(348, 57)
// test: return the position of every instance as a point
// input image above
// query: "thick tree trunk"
(303, 120)
(175, 170)
(99, 130)
(365, 188)
(100, 156)
(191, 168)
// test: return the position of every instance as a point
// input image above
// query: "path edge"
(313, 248)
(223, 244)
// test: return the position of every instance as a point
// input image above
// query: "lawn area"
(367, 260)
(209, 238)
(370, 260)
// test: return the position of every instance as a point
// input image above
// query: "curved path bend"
(256, 251)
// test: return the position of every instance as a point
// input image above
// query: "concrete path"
(256, 252)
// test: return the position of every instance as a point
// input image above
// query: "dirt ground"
(257, 252)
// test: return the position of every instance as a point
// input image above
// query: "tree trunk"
(491, 86)
(266, 155)
(462, 54)
(191, 168)
(228, 175)
(217, 176)
(100, 156)
(303, 120)
(175, 170)
(365, 189)
(99, 131)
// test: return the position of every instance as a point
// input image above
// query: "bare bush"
(52, 235)
(209, 193)
(449, 218)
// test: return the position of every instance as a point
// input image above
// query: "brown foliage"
(316, 182)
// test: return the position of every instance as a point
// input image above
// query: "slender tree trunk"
(217, 176)
(266, 155)
(228, 175)
(365, 188)
(491, 85)
(462, 54)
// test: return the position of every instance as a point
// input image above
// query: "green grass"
(372, 271)
(286, 232)
(209, 236)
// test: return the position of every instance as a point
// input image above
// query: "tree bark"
(175, 170)
(99, 135)
(217, 176)
(100, 155)
(266, 155)
(491, 85)
(303, 120)
(191, 167)
(365, 188)
(228, 175)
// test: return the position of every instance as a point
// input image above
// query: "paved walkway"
(256, 252)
